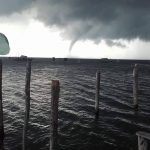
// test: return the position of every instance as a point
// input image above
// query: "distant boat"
(104, 59)
(23, 57)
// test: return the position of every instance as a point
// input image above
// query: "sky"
(117, 29)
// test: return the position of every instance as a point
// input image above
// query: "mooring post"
(55, 88)
(143, 138)
(27, 102)
(135, 86)
(1, 108)
(97, 92)
(142, 143)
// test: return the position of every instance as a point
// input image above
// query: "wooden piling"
(27, 102)
(1, 108)
(143, 138)
(135, 86)
(97, 95)
(55, 88)
(142, 143)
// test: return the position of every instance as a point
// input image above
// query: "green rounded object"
(4, 45)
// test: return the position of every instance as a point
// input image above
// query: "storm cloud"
(95, 20)
(8, 7)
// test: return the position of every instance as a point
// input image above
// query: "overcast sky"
(77, 28)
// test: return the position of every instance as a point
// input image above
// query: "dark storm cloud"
(98, 19)
(7, 7)
(91, 19)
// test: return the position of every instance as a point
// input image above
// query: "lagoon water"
(78, 128)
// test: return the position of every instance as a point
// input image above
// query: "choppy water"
(78, 128)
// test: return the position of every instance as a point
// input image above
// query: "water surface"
(78, 128)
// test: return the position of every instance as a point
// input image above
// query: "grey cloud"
(91, 19)
(98, 19)
(8, 7)
(114, 43)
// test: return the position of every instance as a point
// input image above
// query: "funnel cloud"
(72, 44)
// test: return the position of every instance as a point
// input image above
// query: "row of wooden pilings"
(135, 89)
(55, 88)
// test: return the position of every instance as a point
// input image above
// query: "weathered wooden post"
(1, 108)
(55, 88)
(27, 102)
(135, 86)
(97, 92)
(143, 138)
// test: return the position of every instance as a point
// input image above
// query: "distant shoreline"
(55, 59)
